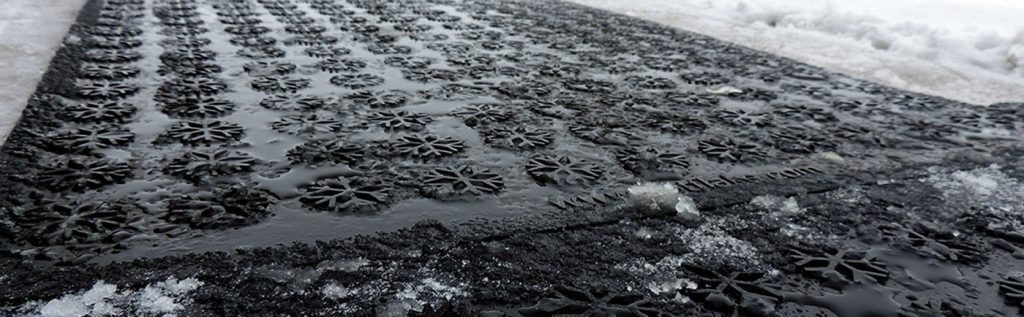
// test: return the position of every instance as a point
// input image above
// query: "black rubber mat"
(496, 144)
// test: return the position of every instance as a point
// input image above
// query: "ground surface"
(497, 146)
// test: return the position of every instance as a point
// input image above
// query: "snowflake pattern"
(648, 158)
(199, 107)
(354, 195)
(521, 137)
(735, 292)
(357, 81)
(279, 84)
(338, 65)
(463, 180)
(841, 266)
(427, 146)
(75, 174)
(224, 207)
(198, 164)
(205, 132)
(328, 150)
(104, 89)
(595, 302)
(73, 223)
(380, 99)
(313, 123)
(91, 139)
(730, 150)
(399, 120)
(562, 169)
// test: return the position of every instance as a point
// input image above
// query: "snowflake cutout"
(73, 223)
(736, 292)
(647, 158)
(294, 102)
(200, 107)
(229, 207)
(108, 71)
(338, 65)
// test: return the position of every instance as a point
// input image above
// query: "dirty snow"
(162, 299)
(986, 190)
(778, 205)
(31, 31)
(968, 50)
(662, 198)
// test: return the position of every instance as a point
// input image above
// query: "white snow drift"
(969, 50)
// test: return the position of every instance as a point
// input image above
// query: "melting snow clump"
(661, 198)
(779, 205)
(987, 190)
(710, 246)
(163, 298)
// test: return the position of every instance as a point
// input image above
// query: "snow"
(161, 299)
(968, 50)
(662, 198)
(32, 31)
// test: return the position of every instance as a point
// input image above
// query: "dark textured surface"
(502, 135)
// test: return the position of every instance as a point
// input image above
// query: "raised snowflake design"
(312, 123)
(409, 62)
(379, 99)
(103, 89)
(1012, 288)
(98, 111)
(427, 146)
(482, 113)
(647, 158)
(399, 120)
(108, 71)
(327, 150)
(111, 56)
(73, 223)
(730, 150)
(202, 132)
(464, 180)
(90, 139)
(346, 195)
(704, 78)
(650, 82)
(199, 164)
(191, 86)
(357, 81)
(74, 174)
(734, 293)
(293, 102)
(198, 107)
(562, 169)
(225, 207)
(522, 137)
(929, 242)
(595, 302)
(338, 65)
(841, 266)
(327, 52)
(269, 68)
(743, 118)
(279, 84)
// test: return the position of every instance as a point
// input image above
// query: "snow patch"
(711, 246)
(163, 298)
(968, 50)
(985, 190)
(661, 198)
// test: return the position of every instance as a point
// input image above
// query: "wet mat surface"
(177, 127)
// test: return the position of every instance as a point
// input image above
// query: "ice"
(779, 206)
(984, 190)
(103, 299)
(662, 198)
(967, 50)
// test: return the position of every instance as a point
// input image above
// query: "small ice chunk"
(661, 199)
(724, 91)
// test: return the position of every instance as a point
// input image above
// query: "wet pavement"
(446, 158)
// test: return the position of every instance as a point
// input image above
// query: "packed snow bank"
(969, 50)
(159, 299)
(31, 31)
